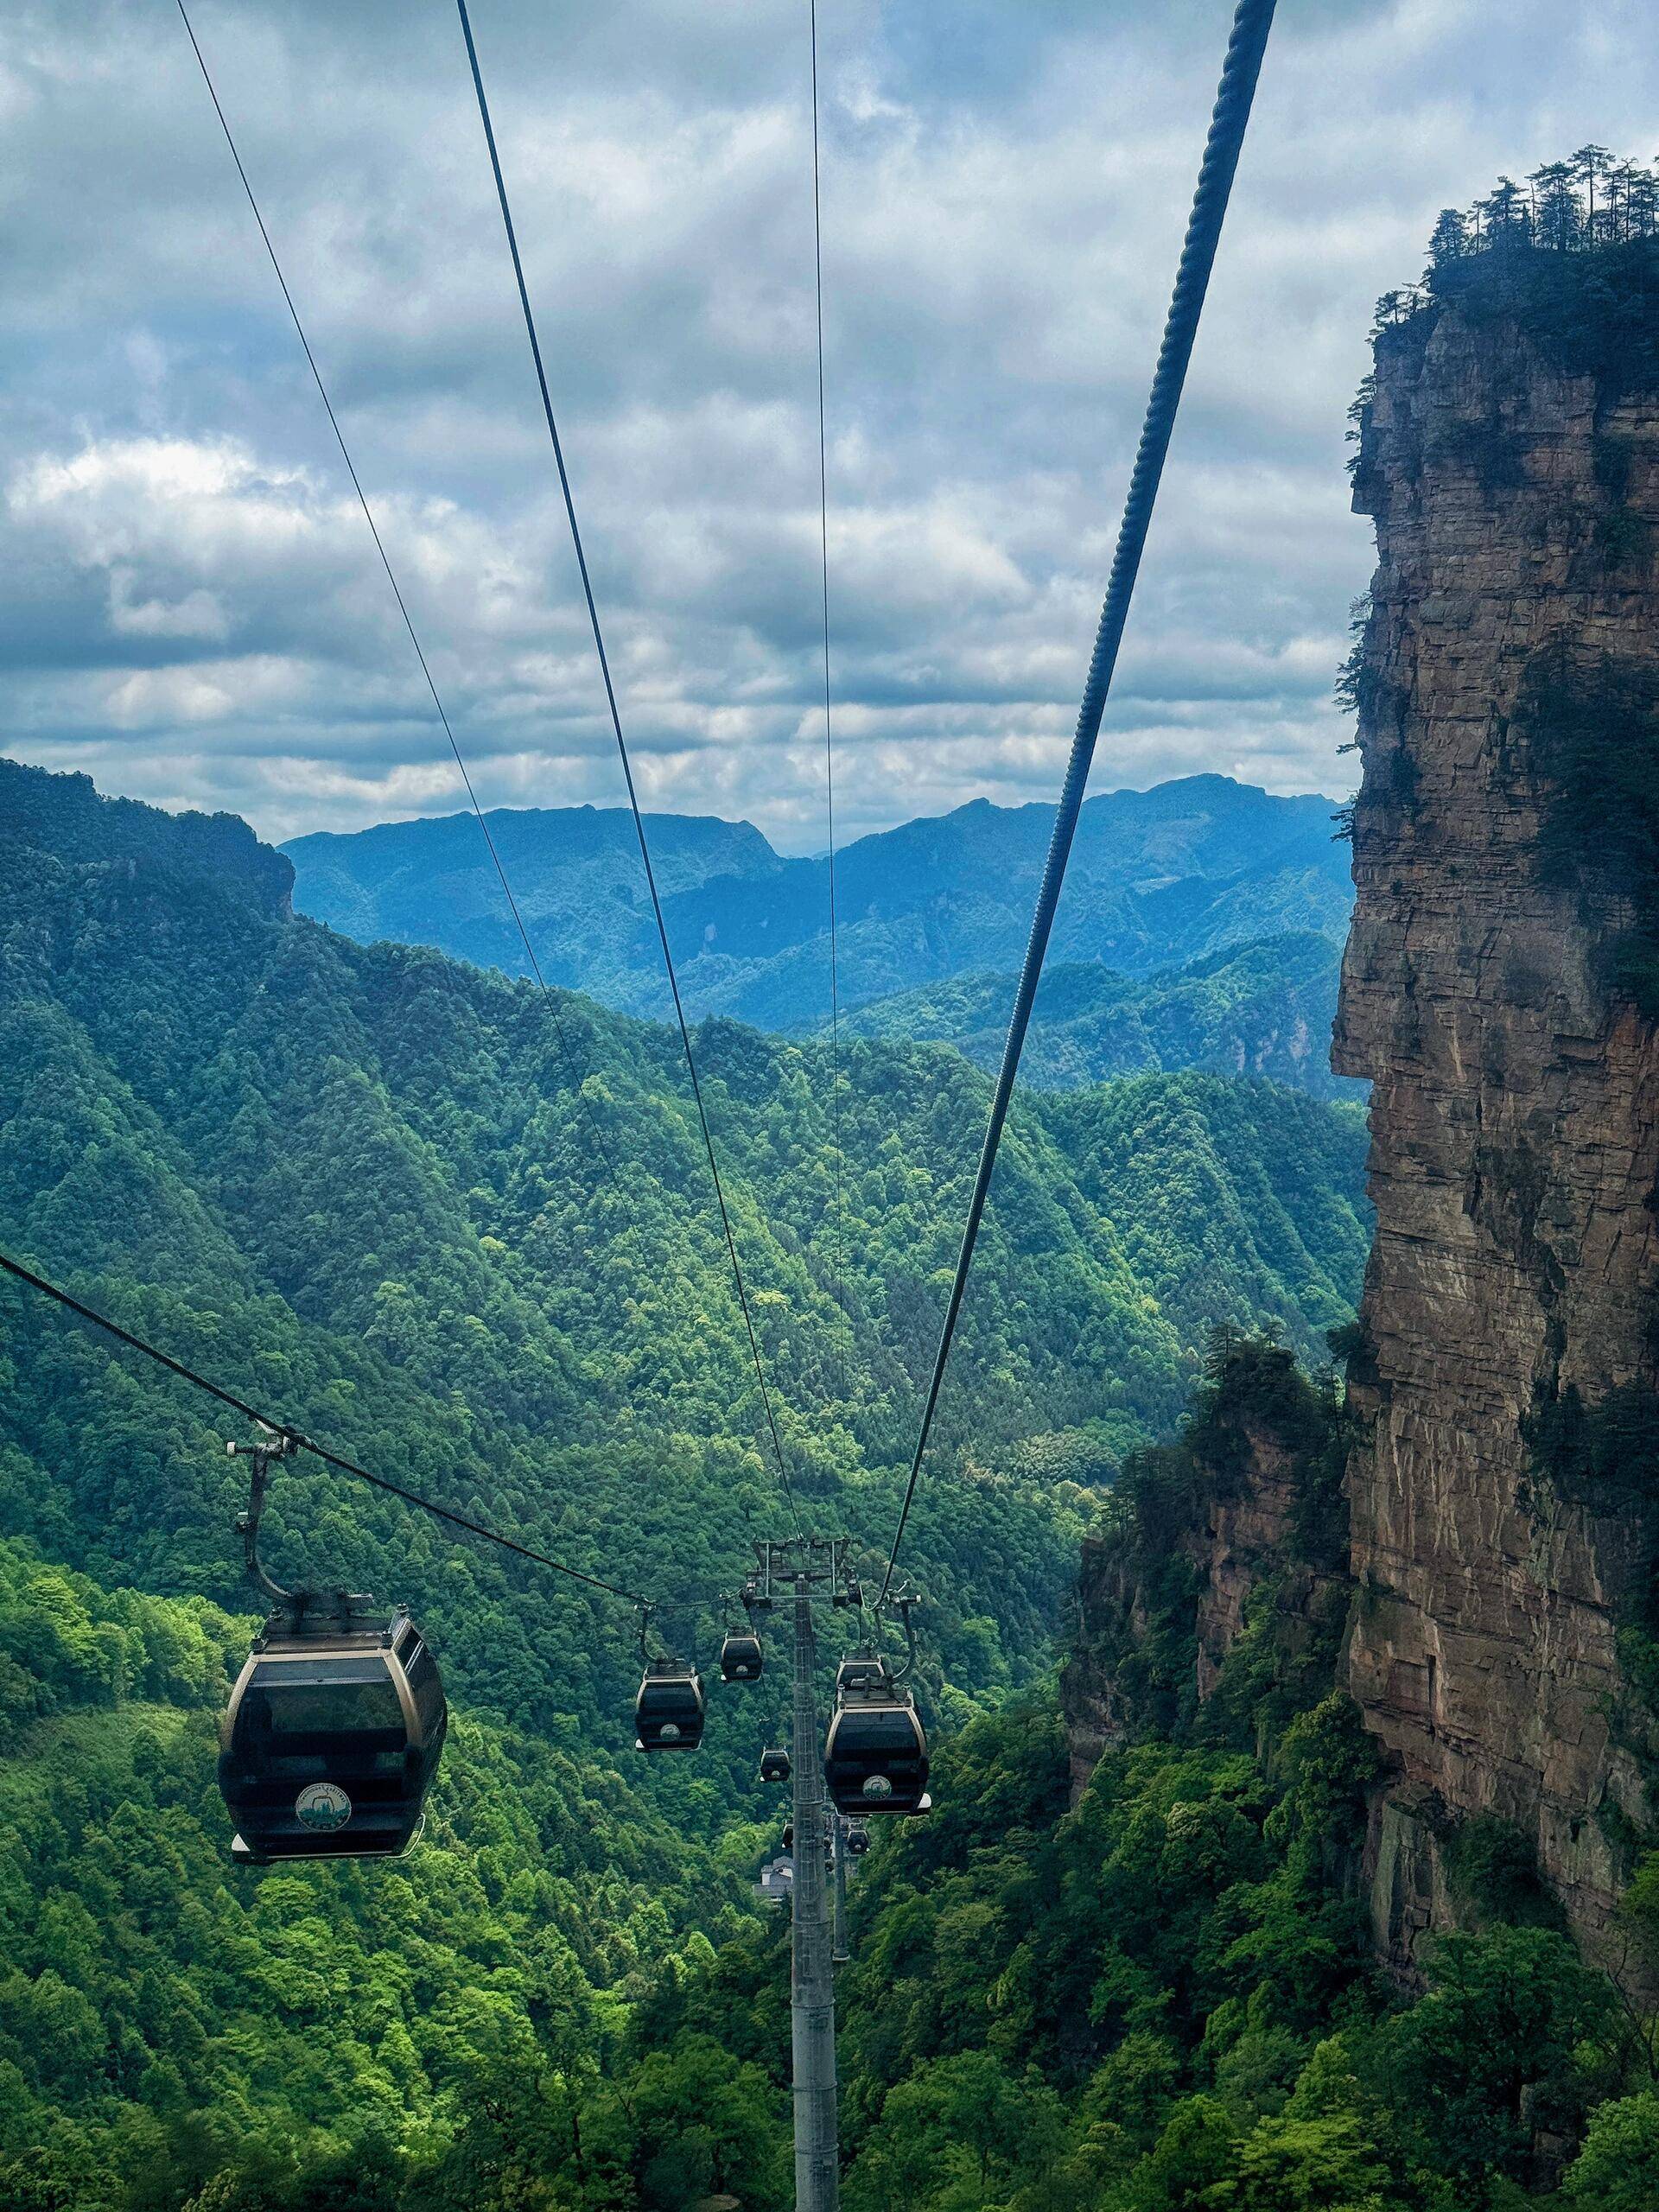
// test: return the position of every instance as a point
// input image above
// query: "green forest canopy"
(1264, 1010)
(1163, 1999)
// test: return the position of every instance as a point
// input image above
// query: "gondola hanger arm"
(270, 1444)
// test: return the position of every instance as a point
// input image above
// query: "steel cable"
(403, 607)
(829, 748)
(303, 1443)
(1246, 45)
(627, 767)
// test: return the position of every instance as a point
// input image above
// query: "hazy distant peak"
(1159, 878)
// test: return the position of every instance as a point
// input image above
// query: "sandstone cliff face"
(1245, 1537)
(1111, 1610)
(1247, 1508)
(1515, 1117)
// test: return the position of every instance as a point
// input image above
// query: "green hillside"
(1161, 2000)
(364, 1187)
(394, 1165)
(161, 2018)
(1262, 1009)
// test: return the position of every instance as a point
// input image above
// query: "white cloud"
(195, 606)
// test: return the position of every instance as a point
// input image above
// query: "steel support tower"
(803, 1567)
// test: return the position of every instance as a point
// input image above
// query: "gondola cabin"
(876, 1755)
(331, 1737)
(775, 1765)
(857, 1839)
(669, 1710)
(741, 1658)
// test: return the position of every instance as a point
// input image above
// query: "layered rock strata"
(1514, 1116)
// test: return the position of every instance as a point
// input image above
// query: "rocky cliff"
(1500, 992)
(1493, 994)
(1235, 1535)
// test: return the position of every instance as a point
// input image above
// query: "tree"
(1491, 2051)
(1555, 206)
(1295, 2164)
(1617, 2170)
(1449, 240)
(1196, 2153)
(963, 2118)
(1641, 200)
(1588, 164)
(1505, 214)
(706, 2123)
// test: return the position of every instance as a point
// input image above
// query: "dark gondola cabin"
(857, 1839)
(774, 1765)
(331, 1737)
(876, 1755)
(668, 1711)
(741, 1658)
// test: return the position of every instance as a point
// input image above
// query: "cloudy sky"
(193, 610)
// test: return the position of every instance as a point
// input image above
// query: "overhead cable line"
(300, 1442)
(1251, 23)
(402, 606)
(828, 748)
(622, 750)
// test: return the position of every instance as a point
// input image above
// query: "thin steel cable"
(1251, 24)
(622, 750)
(336, 1459)
(829, 748)
(396, 590)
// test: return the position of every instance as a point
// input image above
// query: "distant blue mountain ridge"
(1183, 877)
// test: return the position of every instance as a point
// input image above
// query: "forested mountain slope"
(392, 1142)
(364, 1186)
(164, 2018)
(1156, 1992)
(1259, 1009)
(1160, 1997)
(1158, 879)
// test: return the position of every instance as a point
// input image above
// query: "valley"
(459, 1230)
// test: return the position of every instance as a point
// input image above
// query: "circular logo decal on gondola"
(668, 1732)
(323, 1806)
(877, 1785)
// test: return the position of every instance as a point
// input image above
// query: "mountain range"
(1159, 881)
